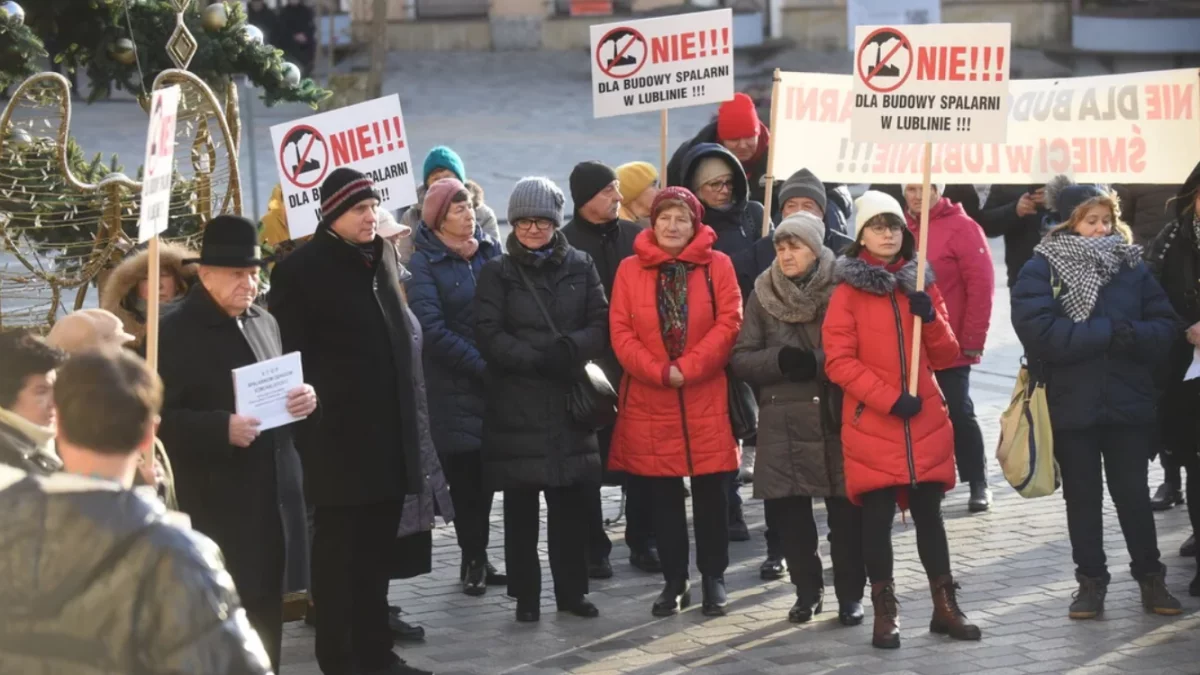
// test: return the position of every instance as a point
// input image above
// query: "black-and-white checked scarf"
(1084, 265)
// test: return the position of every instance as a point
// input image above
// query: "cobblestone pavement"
(517, 114)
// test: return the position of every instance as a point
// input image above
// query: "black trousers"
(878, 514)
(796, 530)
(1122, 454)
(1193, 498)
(639, 517)
(1172, 471)
(566, 508)
(351, 546)
(968, 438)
(266, 616)
(710, 520)
(472, 504)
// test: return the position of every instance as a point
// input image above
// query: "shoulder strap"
(712, 295)
(536, 298)
(1055, 284)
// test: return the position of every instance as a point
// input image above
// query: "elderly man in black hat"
(339, 303)
(241, 486)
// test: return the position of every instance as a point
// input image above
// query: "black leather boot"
(714, 598)
(676, 595)
(474, 581)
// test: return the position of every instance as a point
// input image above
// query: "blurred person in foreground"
(27, 418)
(110, 581)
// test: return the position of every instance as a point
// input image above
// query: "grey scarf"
(1085, 265)
(792, 302)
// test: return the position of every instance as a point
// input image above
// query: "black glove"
(798, 364)
(558, 361)
(907, 406)
(1123, 339)
(920, 304)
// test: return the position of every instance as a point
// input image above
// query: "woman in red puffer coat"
(675, 315)
(898, 448)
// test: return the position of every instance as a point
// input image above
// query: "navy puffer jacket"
(441, 293)
(1087, 382)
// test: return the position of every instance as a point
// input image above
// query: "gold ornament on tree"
(124, 51)
(215, 17)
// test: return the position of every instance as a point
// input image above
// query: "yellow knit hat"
(635, 178)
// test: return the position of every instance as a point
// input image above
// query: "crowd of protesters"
(441, 366)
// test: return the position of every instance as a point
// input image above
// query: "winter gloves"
(558, 361)
(797, 364)
(1123, 339)
(920, 304)
(907, 406)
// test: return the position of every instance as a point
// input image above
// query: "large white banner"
(939, 83)
(1132, 128)
(656, 64)
(369, 137)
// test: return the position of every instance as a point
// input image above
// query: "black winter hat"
(342, 189)
(588, 179)
(803, 184)
(229, 241)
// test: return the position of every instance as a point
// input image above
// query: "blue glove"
(920, 304)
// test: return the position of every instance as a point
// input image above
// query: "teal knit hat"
(443, 157)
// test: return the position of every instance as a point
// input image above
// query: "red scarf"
(893, 267)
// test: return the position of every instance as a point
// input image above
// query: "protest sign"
(936, 83)
(159, 164)
(368, 137)
(656, 64)
(1129, 128)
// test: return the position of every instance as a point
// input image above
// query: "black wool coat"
(347, 318)
(249, 500)
(529, 440)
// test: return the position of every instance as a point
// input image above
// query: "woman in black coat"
(530, 444)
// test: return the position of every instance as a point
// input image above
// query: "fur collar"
(877, 280)
(118, 292)
(787, 302)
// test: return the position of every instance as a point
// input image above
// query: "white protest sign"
(935, 83)
(1129, 128)
(159, 165)
(657, 64)
(368, 137)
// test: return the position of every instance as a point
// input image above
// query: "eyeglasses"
(883, 228)
(526, 224)
(719, 185)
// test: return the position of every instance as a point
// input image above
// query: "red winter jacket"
(868, 344)
(962, 265)
(663, 431)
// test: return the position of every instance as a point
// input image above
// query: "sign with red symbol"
(368, 137)
(656, 64)
(160, 163)
(934, 82)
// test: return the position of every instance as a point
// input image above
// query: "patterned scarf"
(1085, 265)
(673, 306)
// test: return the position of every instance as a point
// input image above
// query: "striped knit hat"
(342, 189)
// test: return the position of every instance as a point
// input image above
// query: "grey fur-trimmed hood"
(877, 280)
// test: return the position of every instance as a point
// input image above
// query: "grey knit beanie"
(803, 184)
(805, 227)
(536, 197)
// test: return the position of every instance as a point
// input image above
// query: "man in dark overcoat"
(241, 486)
(338, 301)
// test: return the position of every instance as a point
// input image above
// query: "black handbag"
(592, 401)
(743, 406)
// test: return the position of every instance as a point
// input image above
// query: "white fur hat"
(871, 204)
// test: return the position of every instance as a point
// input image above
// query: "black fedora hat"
(230, 241)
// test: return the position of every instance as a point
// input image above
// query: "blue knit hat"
(536, 198)
(1063, 196)
(443, 157)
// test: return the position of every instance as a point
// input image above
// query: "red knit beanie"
(737, 119)
(677, 194)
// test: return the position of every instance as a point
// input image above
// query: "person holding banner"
(962, 263)
(898, 447)
(1096, 328)
(1015, 212)
(737, 129)
(534, 350)
(675, 316)
(799, 444)
(443, 162)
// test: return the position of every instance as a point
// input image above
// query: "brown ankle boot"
(948, 619)
(887, 616)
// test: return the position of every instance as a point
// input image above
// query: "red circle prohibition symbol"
(867, 77)
(636, 38)
(302, 156)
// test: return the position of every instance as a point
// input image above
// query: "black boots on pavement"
(714, 598)
(773, 568)
(981, 497)
(1088, 601)
(676, 595)
(1166, 497)
(809, 602)
(1156, 599)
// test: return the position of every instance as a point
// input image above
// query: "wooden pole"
(379, 48)
(915, 362)
(662, 149)
(770, 177)
(152, 280)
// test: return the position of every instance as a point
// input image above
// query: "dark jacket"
(529, 441)
(102, 580)
(755, 169)
(608, 244)
(1087, 384)
(739, 226)
(244, 498)
(1174, 258)
(1146, 209)
(441, 294)
(20, 451)
(999, 218)
(839, 209)
(347, 319)
(485, 219)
